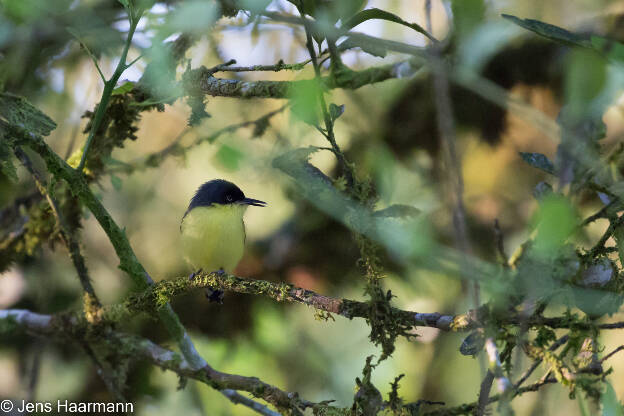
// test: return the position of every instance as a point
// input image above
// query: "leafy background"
(291, 241)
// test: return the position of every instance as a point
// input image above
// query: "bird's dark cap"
(219, 191)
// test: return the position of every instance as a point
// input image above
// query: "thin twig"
(537, 362)
(469, 408)
(612, 353)
(602, 213)
(446, 127)
(154, 159)
(109, 86)
(92, 303)
(329, 124)
(428, 16)
(105, 373)
(238, 398)
(500, 244)
(34, 372)
(599, 246)
(496, 368)
(280, 66)
(484, 393)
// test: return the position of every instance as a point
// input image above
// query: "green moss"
(322, 410)
(9, 325)
(92, 309)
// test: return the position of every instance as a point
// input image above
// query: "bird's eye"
(229, 198)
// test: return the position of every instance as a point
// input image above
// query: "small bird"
(213, 230)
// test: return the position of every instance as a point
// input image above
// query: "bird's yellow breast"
(213, 237)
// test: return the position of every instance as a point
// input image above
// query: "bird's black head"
(219, 191)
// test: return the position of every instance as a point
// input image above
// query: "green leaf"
(125, 3)
(539, 161)
(17, 111)
(123, 88)
(472, 344)
(587, 92)
(375, 13)
(304, 102)
(329, 12)
(74, 32)
(336, 111)
(398, 211)
(191, 17)
(255, 6)
(556, 221)
(610, 404)
(116, 182)
(468, 16)
(551, 32)
(609, 48)
(229, 157)
(375, 49)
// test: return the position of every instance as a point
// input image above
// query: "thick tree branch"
(203, 81)
(70, 329)
(164, 291)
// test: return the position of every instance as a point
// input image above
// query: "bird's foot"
(216, 295)
(192, 275)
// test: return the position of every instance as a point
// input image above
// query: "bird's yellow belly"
(213, 238)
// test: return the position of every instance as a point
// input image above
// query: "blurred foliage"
(358, 185)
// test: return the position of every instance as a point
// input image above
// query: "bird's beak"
(254, 202)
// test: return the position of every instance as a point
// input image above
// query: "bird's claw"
(192, 275)
(215, 295)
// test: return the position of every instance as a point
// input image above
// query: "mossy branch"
(128, 261)
(164, 291)
(202, 81)
(71, 328)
